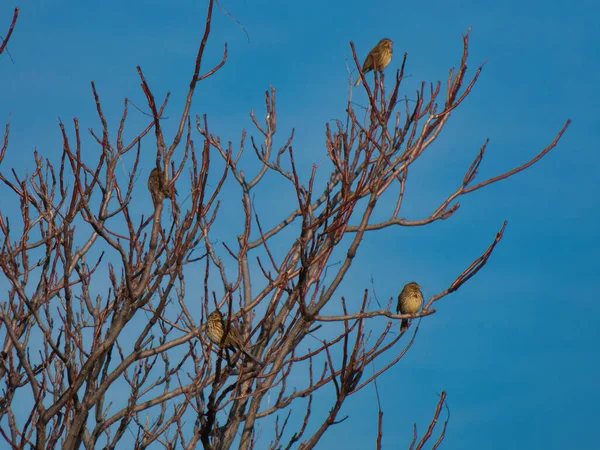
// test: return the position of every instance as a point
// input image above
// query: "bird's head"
(413, 286)
(385, 42)
(215, 315)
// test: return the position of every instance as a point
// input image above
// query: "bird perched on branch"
(378, 58)
(215, 328)
(409, 302)
(156, 187)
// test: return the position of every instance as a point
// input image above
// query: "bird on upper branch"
(378, 58)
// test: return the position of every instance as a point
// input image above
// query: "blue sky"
(515, 348)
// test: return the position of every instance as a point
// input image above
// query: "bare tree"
(106, 346)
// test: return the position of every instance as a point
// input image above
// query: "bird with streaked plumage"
(378, 58)
(215, 328)
(156, 188)
(409, 302)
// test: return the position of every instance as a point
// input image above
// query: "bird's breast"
(411, 303)
(386, 58)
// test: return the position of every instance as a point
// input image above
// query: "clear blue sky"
(516, 348)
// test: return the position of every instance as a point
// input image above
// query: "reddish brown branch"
(10, 30)
(217, 67)
(433, 423)
(470, 271)
(524, 166)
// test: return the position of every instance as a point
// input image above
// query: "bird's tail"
(404, 325)
(357, 82)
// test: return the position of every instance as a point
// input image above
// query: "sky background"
(516, 348)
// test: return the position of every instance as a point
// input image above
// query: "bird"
(409, 302)
(378, 58)
(156, 187)
(215, 327)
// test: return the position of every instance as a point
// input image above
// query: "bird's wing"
(368, 64)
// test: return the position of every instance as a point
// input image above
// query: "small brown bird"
(215, 327)
(409, 302)
(156, 188)
(378, 58)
